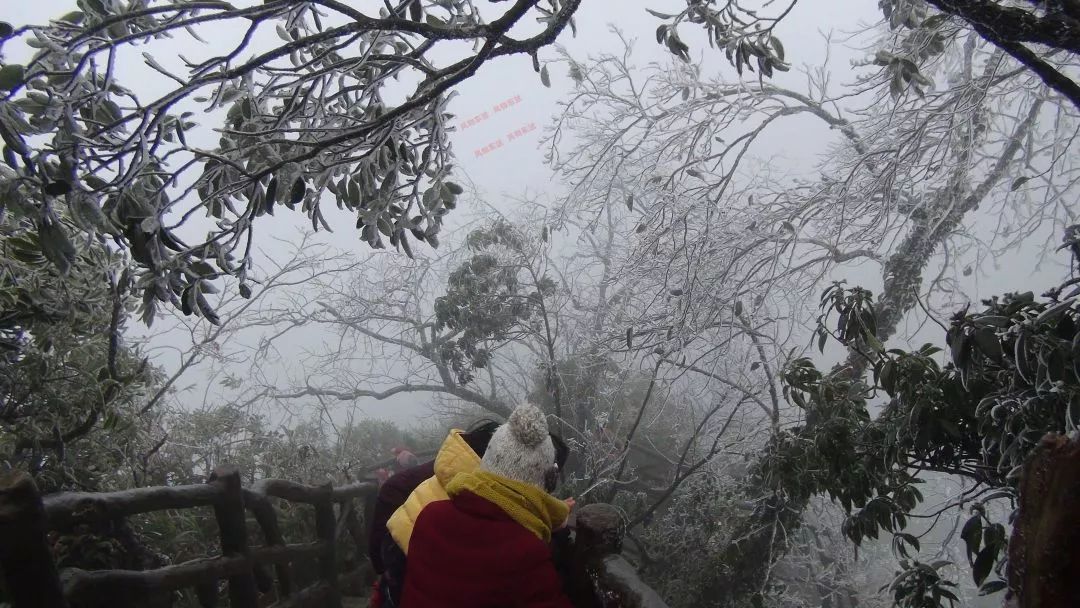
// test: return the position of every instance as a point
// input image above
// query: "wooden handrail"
(603, 578)
(71, 507)
(357, 489)
(310, 597)
(112, 583)
(298, 492)
(32, 580)
(67, 508)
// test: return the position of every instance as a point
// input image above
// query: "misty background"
(283, 357)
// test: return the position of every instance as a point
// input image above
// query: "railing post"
(30, 575)
(232, 526)
(266, 517)
(600, 576)
(326, 530)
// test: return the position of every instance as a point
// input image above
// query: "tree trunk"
(1044, 552)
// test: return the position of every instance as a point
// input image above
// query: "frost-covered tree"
(305, 99)
(1041, 35)
(946, 153)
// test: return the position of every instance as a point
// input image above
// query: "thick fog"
(665, 230)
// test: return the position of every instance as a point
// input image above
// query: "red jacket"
(468, 553)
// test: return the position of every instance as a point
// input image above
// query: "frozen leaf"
(55, 244)
(11, 76)
(299, 188)
(984, 562)
(992, 587)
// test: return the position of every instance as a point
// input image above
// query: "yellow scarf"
(528, 505)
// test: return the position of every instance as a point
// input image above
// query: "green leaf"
(934, 21)
(75, 17)
(97, 6)
(874, 343)
(205, 308)
(544, 77)
(888, 377)
(58, 188)
(992, 587)
(55, 244)
(778, 47)
(984, 563)
(454, 188)
(299, 189)
(11, 76)
(972, 535)
(660, 15)
(271, 193)
(988, 343)
(1018, 182)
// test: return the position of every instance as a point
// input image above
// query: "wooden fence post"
(266, 517)
(600, 577)
(326, 530)
(232, 526)
(30, 575)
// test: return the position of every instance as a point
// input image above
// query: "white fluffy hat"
(521, 449)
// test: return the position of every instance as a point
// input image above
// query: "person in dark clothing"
(397, 488)
(387, 558)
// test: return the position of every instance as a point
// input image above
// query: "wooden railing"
(598, 576)
(32, 579)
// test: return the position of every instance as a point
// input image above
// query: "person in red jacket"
(387, 558)
(488, 546)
